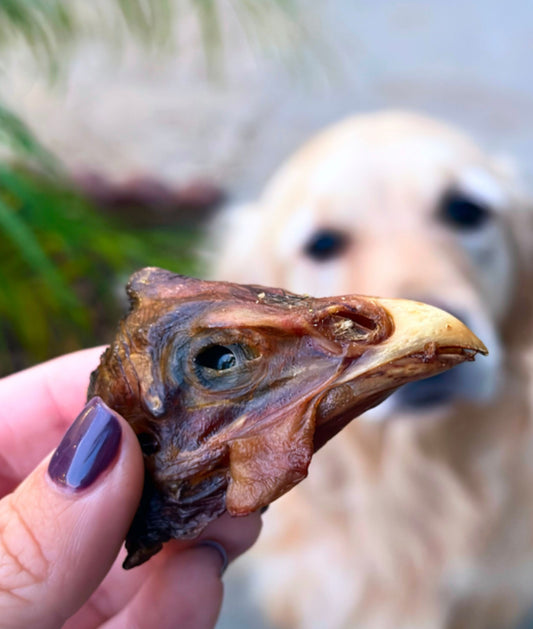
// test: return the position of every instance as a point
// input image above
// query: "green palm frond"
(40, 22)
(62, 264)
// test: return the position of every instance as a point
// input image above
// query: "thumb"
(61, 529)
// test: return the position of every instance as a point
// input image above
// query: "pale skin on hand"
(60, 557)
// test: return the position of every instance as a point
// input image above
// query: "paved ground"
(464, 60)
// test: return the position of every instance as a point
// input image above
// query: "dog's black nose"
(430, 393)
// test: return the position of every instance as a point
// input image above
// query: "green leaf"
(30, 250)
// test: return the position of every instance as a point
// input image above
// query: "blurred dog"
(420, 514)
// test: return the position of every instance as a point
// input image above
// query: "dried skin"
(231, 388)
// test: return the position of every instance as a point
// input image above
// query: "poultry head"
(231, 388)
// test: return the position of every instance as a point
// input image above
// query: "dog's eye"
(326, 244)
(462, 212)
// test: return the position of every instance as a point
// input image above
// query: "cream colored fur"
(407, 521)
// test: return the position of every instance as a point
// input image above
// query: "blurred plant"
(62, 265)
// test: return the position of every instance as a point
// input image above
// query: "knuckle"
(23, 564)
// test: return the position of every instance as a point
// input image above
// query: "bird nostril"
(353, 324)
(346, 326)
(359, 320)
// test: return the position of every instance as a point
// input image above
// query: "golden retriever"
(420, 514)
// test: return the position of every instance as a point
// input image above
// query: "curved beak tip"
(417, 324)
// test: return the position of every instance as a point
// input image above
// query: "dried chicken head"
(231, 388)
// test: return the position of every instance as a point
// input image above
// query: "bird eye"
(326, 244)
(462, 212)
(216, 357)
(222, 367)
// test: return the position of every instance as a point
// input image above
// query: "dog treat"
(231, 388)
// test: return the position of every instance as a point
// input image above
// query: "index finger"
(38, 404)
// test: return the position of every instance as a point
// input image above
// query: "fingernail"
(210, 543)
(88, 447)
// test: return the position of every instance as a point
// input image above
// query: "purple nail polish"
(88, 447)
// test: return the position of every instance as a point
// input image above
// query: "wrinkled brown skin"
(236, 439)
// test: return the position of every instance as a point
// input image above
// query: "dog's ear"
(235, 243)
(520, 214)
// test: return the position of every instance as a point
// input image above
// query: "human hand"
(61, 530)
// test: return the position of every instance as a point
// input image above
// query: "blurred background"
(125, 124)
